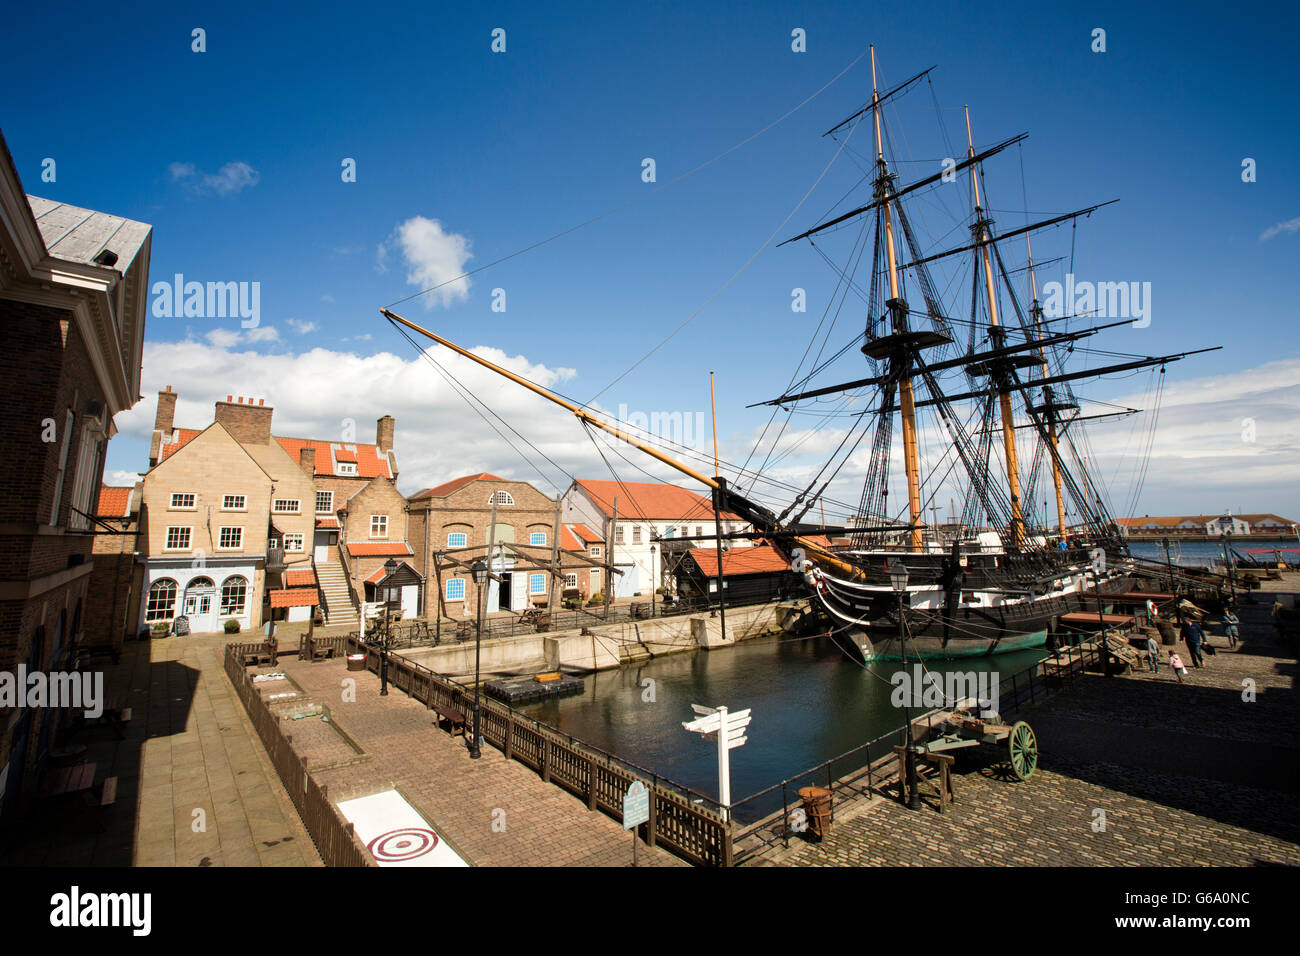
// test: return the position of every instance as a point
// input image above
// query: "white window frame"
(295, 535)
(594, 550)
(455, 534)
(328, 509)
(239, 542)
(383, 520)
(241, 506)
(636, 534)
(277, 502)
(192, 506)
(618, 534)
(189, 538)
(503, 498)
(272, 543)
(346, 468)
(222, 611)
(571, 579)
(536, 584)
(537, 539)
(456, 597)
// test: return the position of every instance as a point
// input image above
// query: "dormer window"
(346, 468)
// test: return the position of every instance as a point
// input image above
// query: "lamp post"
(653, 589)
(898, 578)
(480, 572)
(390, 566)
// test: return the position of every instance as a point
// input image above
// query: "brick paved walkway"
(1186, 775)
(493, 812)
(188, 747)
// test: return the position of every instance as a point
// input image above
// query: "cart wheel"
(1023, 747)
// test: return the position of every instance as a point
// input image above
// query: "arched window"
(234, 595)
(161, 605)
(502, 498)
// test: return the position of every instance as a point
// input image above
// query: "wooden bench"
(452, 716)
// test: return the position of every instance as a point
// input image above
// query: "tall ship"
(993, 379)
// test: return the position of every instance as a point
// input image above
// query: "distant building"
(651, 516)
(453, 522)
(222, 502)
(750, 575)
(1212, 525)
(74, 285)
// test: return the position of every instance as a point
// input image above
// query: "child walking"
(1176, 663)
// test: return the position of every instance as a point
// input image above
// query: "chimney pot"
(230, 398)
(261, 401)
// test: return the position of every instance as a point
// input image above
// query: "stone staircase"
(334, 584)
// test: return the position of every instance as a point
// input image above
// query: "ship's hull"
(995, 605)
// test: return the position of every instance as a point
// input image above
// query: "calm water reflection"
(810, 703)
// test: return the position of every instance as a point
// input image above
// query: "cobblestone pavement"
(493, 812)
(1134, 771)
(188, 746)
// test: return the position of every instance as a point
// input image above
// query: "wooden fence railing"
(682, 821)
(334, 838)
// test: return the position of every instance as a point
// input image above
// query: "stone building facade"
(73, 292)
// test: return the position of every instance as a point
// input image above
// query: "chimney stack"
(307, 460)
(384, 429)
(247, 423)
(163, 422)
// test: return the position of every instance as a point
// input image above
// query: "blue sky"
(506, 149)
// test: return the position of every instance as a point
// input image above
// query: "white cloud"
(228, 180)
(358, 338)
(327, 297)
(432, 257)
(119, 478)
(1290, 225)
(224, 338)
(438, 435)
(301, 326)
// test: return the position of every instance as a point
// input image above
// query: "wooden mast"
(906, 397)
(1004, 396)
(810, 545)
(1048, 399)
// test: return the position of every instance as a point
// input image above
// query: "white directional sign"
(726, 730)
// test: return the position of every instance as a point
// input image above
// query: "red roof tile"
(370, 463)
(759, 560)
(447, 487)
(367, 550)
(327, 523)
(300, 579)
(182, 435)
(294, 597)
(114, 502)
(585, 533)
(649, 499)
(380, 573)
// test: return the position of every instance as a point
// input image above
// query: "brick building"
(222, 503)
(73, 291)
(454, 519)
(113, 598)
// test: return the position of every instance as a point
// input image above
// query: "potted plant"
(161, 628)
(232, 626)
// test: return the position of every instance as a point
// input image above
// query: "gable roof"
(114, 502)
(78, 235)
(649, 499)
(370, 462)
(447, 487)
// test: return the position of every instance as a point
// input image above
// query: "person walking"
(1230, 622)
(1194, 637)
(1153, 655)
(1176, 664)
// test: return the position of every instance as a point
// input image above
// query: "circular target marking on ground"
(398, 846)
